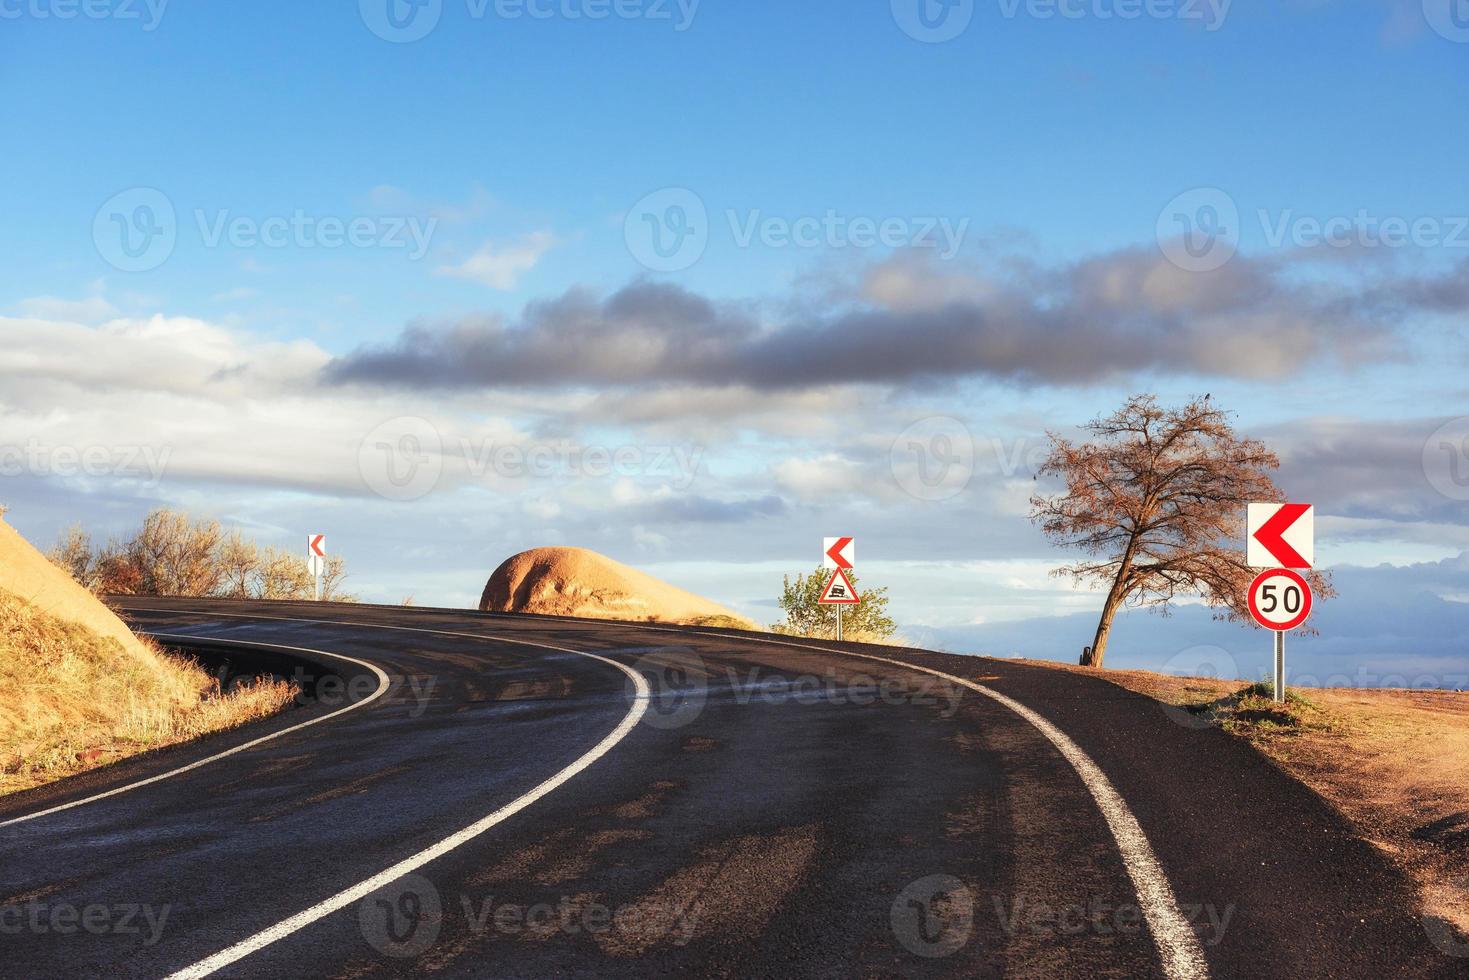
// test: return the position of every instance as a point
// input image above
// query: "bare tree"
(175, 556)
(74, 554)
(117, 572)
(332, 578)
(239, 564)
(1157, 498)
(282, 575)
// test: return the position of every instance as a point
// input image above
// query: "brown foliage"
(1157, 499)
(176, 556)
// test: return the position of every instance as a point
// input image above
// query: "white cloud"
(387, 197)
(479, 204)
(154, 354)
(818, 478)
(93, 309)
(909, 282)
(542, 508)
(649, 541)
(502, 267)
(234, 410)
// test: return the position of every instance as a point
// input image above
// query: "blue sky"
(504, 174)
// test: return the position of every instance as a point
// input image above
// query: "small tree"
(74, 554)
(332, 578)
(117, 574)
(1157, 497)
(176, 556)
(282, 575)
(239, 561)
(805, 616)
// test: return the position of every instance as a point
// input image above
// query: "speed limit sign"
(1280, 599)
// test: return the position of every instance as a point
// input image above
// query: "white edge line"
(1178, 948)
(382, 686)
(408, 865)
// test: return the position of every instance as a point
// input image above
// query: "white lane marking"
(382, 687)
(1178, 948)
(408, 865)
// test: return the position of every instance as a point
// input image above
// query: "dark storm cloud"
(1372, 470)
(1448, 293)
(1106, 318)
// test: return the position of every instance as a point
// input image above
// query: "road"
(496, 796)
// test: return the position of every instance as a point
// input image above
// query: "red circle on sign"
(1259, 599)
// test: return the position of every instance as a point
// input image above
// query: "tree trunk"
(1115, 596)
(1104, 628)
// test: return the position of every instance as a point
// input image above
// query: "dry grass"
(726, 622)
(1393, 762)
(72, 700)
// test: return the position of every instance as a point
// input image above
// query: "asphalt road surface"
(493, 796)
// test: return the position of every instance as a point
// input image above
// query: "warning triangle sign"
(839, 591)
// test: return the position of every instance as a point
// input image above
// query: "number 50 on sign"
(1280, 599)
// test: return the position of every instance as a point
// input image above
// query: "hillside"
(578, 582)
(27, 574)
(78, 689)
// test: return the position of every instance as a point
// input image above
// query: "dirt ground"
(1394, 762)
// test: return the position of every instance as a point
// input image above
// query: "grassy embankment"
(71, 699)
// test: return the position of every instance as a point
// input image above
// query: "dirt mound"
(26, 573)
(78, 690)
(578, 582)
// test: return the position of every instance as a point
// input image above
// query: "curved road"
(493, 796)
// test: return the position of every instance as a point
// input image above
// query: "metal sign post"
(316, 562)
(839, 592)
(1282, 535)
(1280, 601)
(1279, 667)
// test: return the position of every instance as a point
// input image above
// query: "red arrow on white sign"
(316, 545)
(1280, 536)
(838, 553)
